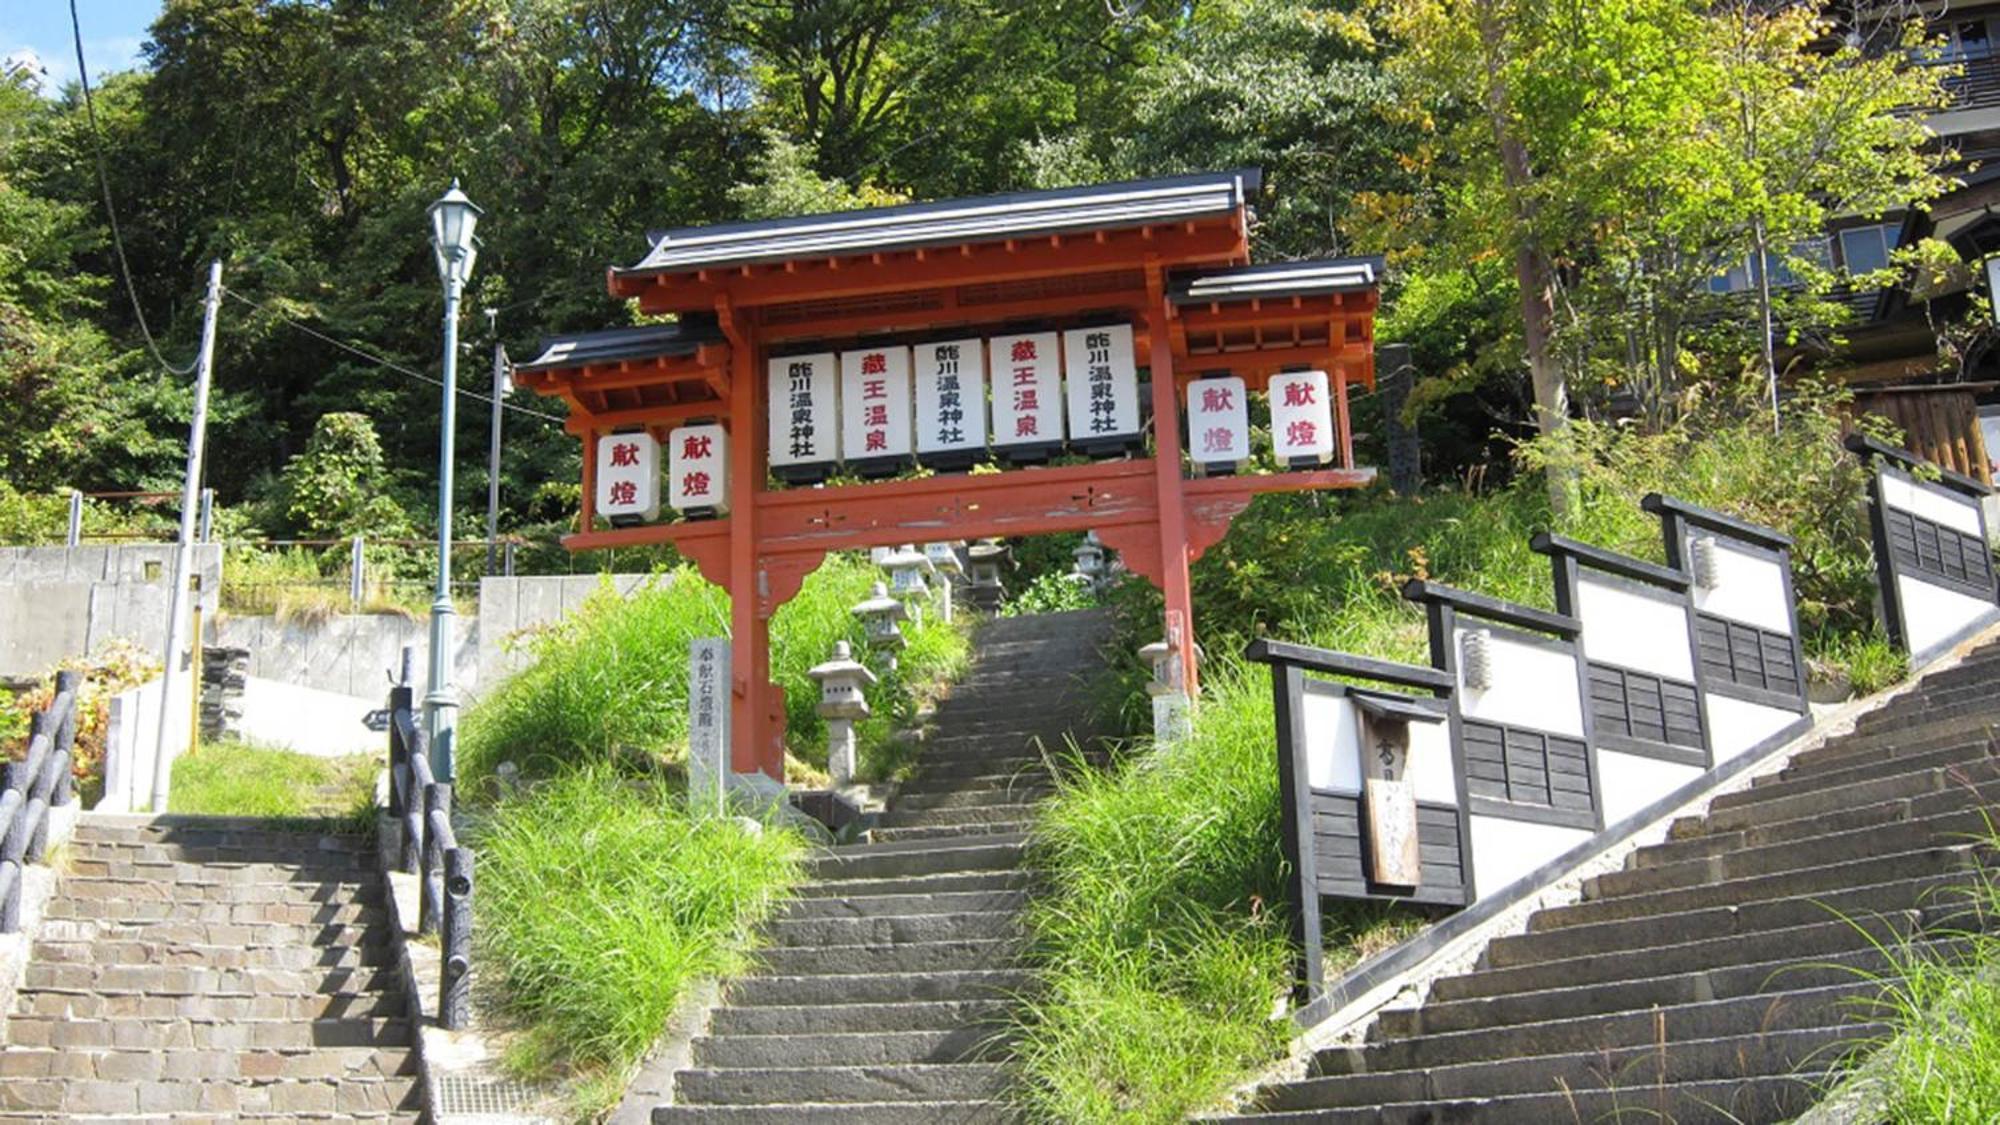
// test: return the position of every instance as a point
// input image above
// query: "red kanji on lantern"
(1214, 400)
(877, 440)
(694, 484)
(1023, 351)
(1300, 393)
(624, 453)
(1302, 432)
(874, 363)
(1217, 439)
(624, 492)
(697, 446)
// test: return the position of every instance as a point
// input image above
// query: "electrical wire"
(380, 361)
(111, 213)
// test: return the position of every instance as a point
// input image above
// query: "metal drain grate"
(468, 1098)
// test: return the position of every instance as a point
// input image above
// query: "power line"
(111, 213)
(380, 361)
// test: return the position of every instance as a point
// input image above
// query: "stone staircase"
(886, 984)
(205, 968)
(1714, 979)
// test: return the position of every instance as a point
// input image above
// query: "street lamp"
(453, 218)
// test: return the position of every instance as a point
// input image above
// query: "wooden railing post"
(431, 897)
(15, 819)
(455, 1000)
(69, 687)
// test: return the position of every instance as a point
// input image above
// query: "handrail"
(35, 784)
(421, 805)
(1865, 446)
(1267, 651)
(1492, 609)
(1659, 503)
(1610, 562)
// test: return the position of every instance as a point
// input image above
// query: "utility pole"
(493, 445)
(177, 603)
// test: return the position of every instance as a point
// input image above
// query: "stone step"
(953, 832)
(974, 788)
(1832, 799)
(1727, 1101)
(109, 952)
(1895, 719)
(188, 1064)
(243, 913)
(374, 932)
(863, 1048)
(1791, 855)
(75, 1100)
(215, 1034)
(124, 1005)
(177, 981)
(1636, 1068)
(166, 888)
(901, 887)
(795, 1019)
(1917, 736)
(853, 1113)
(1772, 977)
(1824, 1006)
(1009, 768)
(912, 1082)
(223, 855)
(1939, 890)
(879, 988)
(1941, 808)
(971, 796)
(239, 833)
(1004, 811)
(1857, 772)
(1794, 942)
(919, 957)
(1913, 864)
(893, 929)
(876, 861)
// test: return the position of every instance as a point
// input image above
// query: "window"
(1866, 249)
(1739, 277)
(1966, 40)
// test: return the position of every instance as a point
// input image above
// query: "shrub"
(116, 667)
(1051, 593)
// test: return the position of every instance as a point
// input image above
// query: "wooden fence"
(430, 849)
(38, 782)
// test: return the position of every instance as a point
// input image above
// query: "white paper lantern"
(1027, 396)
(698, 469)
(875, 409)
(951, 402)
(804, 405)
(628, 478)
(1218, 434)
(1301, 419)
(1103, 389)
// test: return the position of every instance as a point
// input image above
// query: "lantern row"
(891, 407)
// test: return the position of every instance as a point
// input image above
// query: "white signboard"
(708, 720)
(804, 403)
(1103, 387)
(628, 478)
(1301, 419)
(951, 400)
(698, 468)
(1027, 392)
(1218, 423)
(875, 406)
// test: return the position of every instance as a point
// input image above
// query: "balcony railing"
(1975, 86)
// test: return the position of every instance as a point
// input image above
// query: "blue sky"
(112, 33)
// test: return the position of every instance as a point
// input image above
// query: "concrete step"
(1916, 736)
(1857, 772)
(1897, 718)
(216, 1034)
(823, 989)
(188, 1064)
(239, 832)
(1790, 855)
(919, 957)
(1939, 890)
(217, 933)
(1772, 977)
(853, 1113)
(1840, 876)
(953, 832)
(1818, 939)
(124, 1005)
(979, 771)
(936, 1015)
(1831, 799)
(973, 816)
(109, 952)
(917, 857)
(863, 1048)
(912, 1082)
(894, 929)
(165, 887)
(1637, 1068)
(1726, 1101)
(246, 913)
(178, 981)
(900, 888)
(1942, 808)
(972, 794)
(77, 1100)
(223, 855)
(1823, 1006)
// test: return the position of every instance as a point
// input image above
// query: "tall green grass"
(601, 898)
(240, 779)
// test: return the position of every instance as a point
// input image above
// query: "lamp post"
(453, 218)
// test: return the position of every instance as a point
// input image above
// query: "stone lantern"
(988, 558)
(879, 615)
(843, 685)
(1171, 722)
(1090, 564)
(909, 577)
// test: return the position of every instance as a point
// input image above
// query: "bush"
(601, 898)
(1050, 593)
(113, 668)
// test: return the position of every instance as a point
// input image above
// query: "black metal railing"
(421, 804)
(1976, 85)
(35, 784)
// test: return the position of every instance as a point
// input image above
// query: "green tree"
(335, 487)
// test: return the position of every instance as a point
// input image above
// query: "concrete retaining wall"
(351, 655)
(60, 602)
(512, 610)
(129, 738)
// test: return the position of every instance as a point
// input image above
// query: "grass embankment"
(1160, 941)
(601, 898)
(241, 779)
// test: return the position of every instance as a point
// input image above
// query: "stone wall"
(60, 602)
